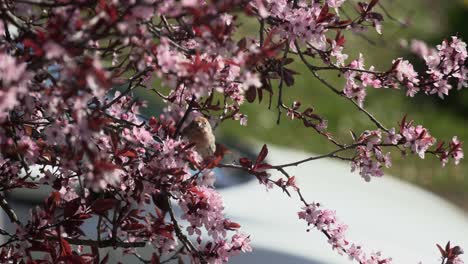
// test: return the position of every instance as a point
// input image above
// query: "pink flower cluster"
(13, 83)
(417, 138)
(369, 159)
(303, 23)
(202, 207)
(326, 221)
(407, 76)
(448, 63)
(444, 65)
(453, 150)
(358, 78)
(203, 74)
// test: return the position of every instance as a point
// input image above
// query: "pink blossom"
(355, 253)
(13, 81)
(327, 221)
(393, 137)
(203, 206)
(335, 3)
(417, 138)
(457, 260)
(406, 74)
(456, 150)
(337, 53)
(251, 80)
(241, 242)
(242, 118)
(421, 48)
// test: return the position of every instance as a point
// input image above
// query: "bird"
(200, 133)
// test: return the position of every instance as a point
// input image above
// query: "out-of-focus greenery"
(427, 20)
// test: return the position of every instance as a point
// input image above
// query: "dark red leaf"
(260, 94)
(242, 44)
(288, 78)
(309, 112)
(102, 205)
(403, 123)
(231, 225)
(105, 166)
(251, 94)
(82, 216)
(155, 259)
(262, 167)
(213, 162)
(160, 200)
(344, 22)
(457, 251)
(262, 155)
(66, 248)
(245, 162)
(37, 246)
(442, 251)
(372, 4)
(323, 13)
(128, 153)
(71, 207)
(340, 39)
(292, 182)
(221, 150)
(70, 259)
(38, 51)
(374, 16)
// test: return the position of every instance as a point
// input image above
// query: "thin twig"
(8, 210)
(103, 243)
(313, 70)
(185, 241)
(181, 121)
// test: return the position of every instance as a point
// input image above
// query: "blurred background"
(428, 20)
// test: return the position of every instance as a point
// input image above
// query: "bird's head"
(201, 122)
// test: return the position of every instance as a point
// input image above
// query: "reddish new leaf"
(442, 251)
(66, 248)
(372, 4)
(128, 153)
(251, 94)
(103, 205)
(245, 162)
(262, 155)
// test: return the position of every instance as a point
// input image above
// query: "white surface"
(402, 221)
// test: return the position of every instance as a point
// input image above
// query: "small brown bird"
(199, 132)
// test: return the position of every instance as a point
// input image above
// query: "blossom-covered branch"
(69, 118)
